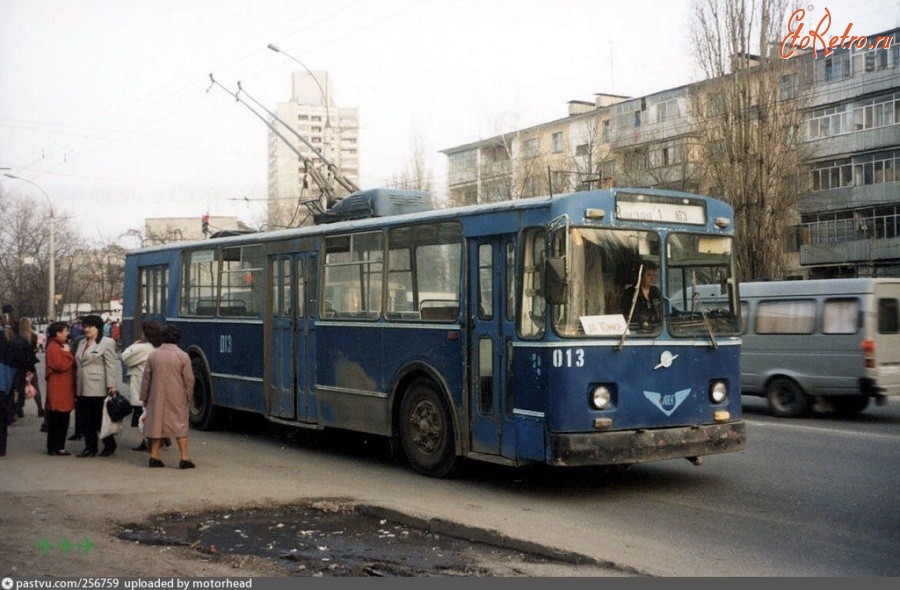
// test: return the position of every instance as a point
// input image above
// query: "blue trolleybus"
(492, 332)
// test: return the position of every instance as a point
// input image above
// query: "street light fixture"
(51, 288)
(276, 49)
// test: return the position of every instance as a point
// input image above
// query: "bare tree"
(748, 114)
(25, 254)
(417, 175)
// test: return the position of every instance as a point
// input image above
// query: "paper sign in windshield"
(604, 325)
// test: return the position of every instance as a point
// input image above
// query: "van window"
(796, 316)
(840, 316)
(888, 316)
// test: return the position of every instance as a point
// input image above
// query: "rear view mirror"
(555, 281)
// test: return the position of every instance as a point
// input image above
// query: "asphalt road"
(810, 497)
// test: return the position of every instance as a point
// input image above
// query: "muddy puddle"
(331, 539)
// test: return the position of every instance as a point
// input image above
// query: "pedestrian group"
(81, 375)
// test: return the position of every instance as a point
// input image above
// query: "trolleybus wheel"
(848, 406)
(786, 398)
(426, 430)
(203, 414)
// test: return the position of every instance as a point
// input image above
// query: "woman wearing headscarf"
(96, 379)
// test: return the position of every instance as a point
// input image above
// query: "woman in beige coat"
(96, 378)
(166, 390)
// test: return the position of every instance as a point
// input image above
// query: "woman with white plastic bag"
(134, 358)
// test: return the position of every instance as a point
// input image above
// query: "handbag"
(30, 390)
(118, 407)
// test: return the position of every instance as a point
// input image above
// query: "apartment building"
(330, 130)
(550, 158)
(845, 109)
(850, 214)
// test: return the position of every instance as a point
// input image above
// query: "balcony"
(855, 252)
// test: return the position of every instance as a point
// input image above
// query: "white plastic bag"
(108, 427)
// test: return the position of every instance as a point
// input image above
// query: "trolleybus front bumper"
(636, 446)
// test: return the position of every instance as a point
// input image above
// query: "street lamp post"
(51, 288)
(276, 49)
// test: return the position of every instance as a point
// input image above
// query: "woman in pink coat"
(166, 391)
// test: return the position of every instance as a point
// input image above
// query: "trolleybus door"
(486, 349)
(291, 371)
(281, 388)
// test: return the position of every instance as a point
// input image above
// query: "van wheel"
(848, 406)
(203, 414)
(786, 398)
(426, 430)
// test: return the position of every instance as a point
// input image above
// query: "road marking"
(891, 437)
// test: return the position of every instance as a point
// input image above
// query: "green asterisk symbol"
(65, 545)
(86, 546)
(44, 546)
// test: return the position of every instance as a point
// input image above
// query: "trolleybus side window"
(354, 266)
(199, 283)
(154, 287)
(242, 284)
(424, 265)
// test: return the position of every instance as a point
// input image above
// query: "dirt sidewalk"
(60, 516)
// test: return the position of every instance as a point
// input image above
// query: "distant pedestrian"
(7, 376)
(28, 335)
(166, 390)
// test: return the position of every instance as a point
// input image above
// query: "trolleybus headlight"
(601, 397)
(718, 391)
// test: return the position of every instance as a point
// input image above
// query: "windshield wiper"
(637, 290)
(695, 298)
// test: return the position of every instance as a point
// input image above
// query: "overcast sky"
(104, 103)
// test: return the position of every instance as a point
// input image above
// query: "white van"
(836, 342)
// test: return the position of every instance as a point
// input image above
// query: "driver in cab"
(646, 299)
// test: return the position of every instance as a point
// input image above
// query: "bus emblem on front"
(665, 360)
(667, 403)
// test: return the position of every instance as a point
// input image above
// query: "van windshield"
(700, 286)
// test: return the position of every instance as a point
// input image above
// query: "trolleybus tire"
(203, 414)
(426, 430)
(786, 398)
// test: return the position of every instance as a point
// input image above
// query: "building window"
(582, 150)
(788, 87)
(557, 142)
(836, 67)
(530, 147)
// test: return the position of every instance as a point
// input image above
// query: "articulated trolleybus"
(492, 332)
